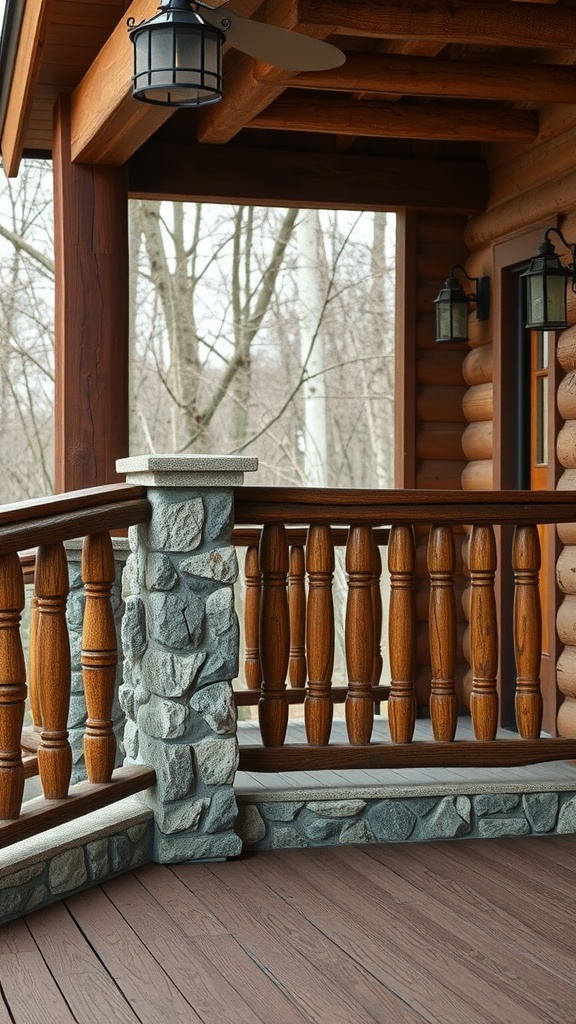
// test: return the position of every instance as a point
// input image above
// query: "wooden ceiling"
(428, 79)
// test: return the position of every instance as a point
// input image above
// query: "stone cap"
(187, 470)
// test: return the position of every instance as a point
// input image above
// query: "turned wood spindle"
(359, 635)
(527, 630)
(319, 635)
(377, 612)
(483, 633)
(297, 610)
(12, 686)
(274, 635)
(53, 662)
(402, 634)
(253, 580)
(33, 695)
(99, 656)
(441, 567)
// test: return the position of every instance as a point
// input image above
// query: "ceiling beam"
(323, 180)
(421, 76)
(486, 22)
(434, 120)
(250, 85)
(35, 22)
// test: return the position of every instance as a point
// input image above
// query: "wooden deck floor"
(449, 933)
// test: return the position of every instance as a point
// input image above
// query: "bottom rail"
(418, 754)
(338, 694)
(40, 814)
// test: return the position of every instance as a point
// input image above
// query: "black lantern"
(452, 306)
(177, 58)
(546, 286)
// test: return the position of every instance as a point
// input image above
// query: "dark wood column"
(91, 350)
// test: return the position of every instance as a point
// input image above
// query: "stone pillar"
(180, 640)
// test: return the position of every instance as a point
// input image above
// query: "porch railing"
(279, 650)
(45, 525)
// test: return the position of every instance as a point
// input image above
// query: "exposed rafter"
(33, 31)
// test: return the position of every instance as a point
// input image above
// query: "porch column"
(180, 641)
(91, 334)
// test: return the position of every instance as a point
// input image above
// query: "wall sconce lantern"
(546, 286)
(177, 57)
(452, 306)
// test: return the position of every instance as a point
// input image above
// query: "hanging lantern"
(546, 286)
(452, 306)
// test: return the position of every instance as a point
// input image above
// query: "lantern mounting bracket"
(482, 294)
(547, 249)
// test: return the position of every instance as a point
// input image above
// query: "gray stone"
(126, 699)
(318, 829)
(420, 805)
(187, 848)
(141, 695)
(142, 852)
(220, 611)
(491, 828)
(450, 818)
(134, 628)
(391, 821)
(356, 832)
(541, 810)
(37, 898)
(222, 812)
(220, 564)
(175, 622)
(215, 704)
(222, 660)
(567, 817)
(137, 832)
(492, 803)
(176, 525)
(67, 871)
(131, 739)
(217, 760)
(22, 876)
(11, 903)
(77, 712)
(163, 719)
(130, 583)
(160, 572)
(77, 682)
(219, 515)
(171, 675)
(120, 853)
(285, 810)
(250, 824)
(76, 740)
(75, 609)
(285, 838)
(97, 856)
(75, 647)
(336, 808)
(183, 816)
(174, 770)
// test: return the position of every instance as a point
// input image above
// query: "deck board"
(434, 933)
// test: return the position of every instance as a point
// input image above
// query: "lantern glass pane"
(188, 57)
(443, 322)
(161, 51)
(141, 62)
(536, 303)
(460, 321)
(555, 299)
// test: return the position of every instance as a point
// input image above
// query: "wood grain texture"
(67, 526)
(99, 656)
(33, 694)
(338, 694)
(359, 635)
(253, 584)
(401, 634)
(319, 635)
(53, 660)
(33, 32)
(274, 634)
(12, 686)
(441, 567)
(377, 612)
(297, 616)
(483, 633)
(527, 630)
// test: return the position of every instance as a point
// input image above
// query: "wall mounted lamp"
(177, 57)
(452, 306)
(546, 286)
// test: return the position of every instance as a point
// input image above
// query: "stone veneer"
(181, 641)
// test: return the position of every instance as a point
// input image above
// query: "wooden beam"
(250, 85)
(488, 22)
(91, 248)
(420, 76)
(397, 120)
(33, 32)
(321, 180)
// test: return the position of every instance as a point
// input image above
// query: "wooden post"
(99, 656)
(441, 566)
(483, 633)
(33, 694)
(253, 580)
(91, 315)
(274, 635)
(359, 635)
(12, 686)
(319, 635)
(297, 609)
(53, 660)
(402, 634)
(527, 631)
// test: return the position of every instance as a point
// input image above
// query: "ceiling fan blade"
(278, 46)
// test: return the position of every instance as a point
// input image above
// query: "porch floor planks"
(26, 982)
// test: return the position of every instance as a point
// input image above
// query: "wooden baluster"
(274, 635)
(441, 566)
(359, 635)
(483, 633)
(527, 631)
(253, 579)
(376, 597)
(53, 661)
(297, 608)
(99, 656)
(319, 635)
(402, 634)
(12, 686)
(33, 694)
